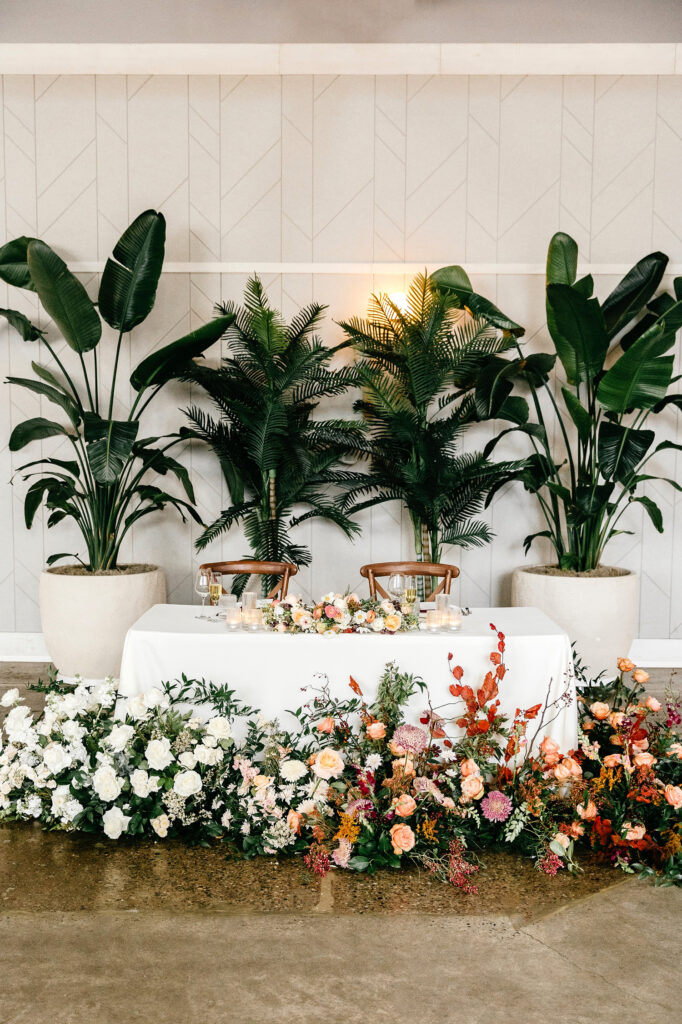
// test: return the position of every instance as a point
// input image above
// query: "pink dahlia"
(496, 806)
(410, 739)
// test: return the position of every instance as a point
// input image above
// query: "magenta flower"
(496, 806)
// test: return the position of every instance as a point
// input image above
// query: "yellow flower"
(392, 622)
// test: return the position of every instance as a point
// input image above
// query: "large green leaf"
(578, 414)
(562, 259)
(642, 375)
(110, 443)
(64, 298)
(454, 281)
(128, 287)
(621, 449)
(653, 511)
(577, 329)
(14, 265)
(160, 462)
(56, 491)
(34, 430)
(633, 292)
(22, 324)
(171, 360)
(53, 394)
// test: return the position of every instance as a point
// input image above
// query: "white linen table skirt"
(270, 670)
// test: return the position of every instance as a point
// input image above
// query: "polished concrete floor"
(93, 931)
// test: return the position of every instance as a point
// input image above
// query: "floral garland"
(354, 786)
(338, 613)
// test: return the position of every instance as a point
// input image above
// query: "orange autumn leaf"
(354, 687)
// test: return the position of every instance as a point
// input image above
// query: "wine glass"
(202, 586)
(396, 586)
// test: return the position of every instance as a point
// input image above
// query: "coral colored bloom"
(469, 767)
(562, 772)
(405, 805)
(675, 750)
(472, 787)
(673, 795)
(612, 760)
(587, 812)
(294, 820)
(640, 676)
(376, 730)
(392, 622)
(616, 719)
(550, 751)
(644, 760)
(328, 764)
(573, 767)
(325, 725)
(577, 830)
(653, 704)
(599, 710)
(625, 665)
(402, 838)
(496, 806)
(633, 833)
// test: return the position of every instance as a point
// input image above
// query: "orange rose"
(588, 811)
(639, 745)
(550, 751)
(376, 730)
(633, 833)
(392, 622)
(612, 760)
(653, 704)
(469, 767)
(616, 719)
(577, 830)
(294, 820)
(405, 805)
(625, 665)
(673, 795)
(325, 725)
(599, 710)
(404, 765)
(371, 616)
(640, 676)
(675, 750)
(644, 760)
(402, 838)
(562, 772)
(617, 740)
(472, 787)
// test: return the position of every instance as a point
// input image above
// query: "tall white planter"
(598, 612)
(85, 617)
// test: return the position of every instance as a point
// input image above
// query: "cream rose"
(187, 783)
(107, 784)
(328, 764)
(472, 787)
(469, 767)
(378, 623)
(219, 727)
(158, 754)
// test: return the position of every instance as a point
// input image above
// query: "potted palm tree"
(428, 371)
(103, 485)
(278, 461)
(616, 369)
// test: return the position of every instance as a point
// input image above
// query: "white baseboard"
(23, 647)
(657, 653)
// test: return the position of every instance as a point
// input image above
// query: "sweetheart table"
(269, 670)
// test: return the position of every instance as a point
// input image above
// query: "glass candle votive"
(442, 605)
(252, 618)
(454, 617)
(434, 620)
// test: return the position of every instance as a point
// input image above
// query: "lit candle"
(455, 617)
(233, 616)
(434, 620)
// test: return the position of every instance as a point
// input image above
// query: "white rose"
(387, 607)
(160, 825)
(156, 699)
(378, 624)
(187, 783)
(18, 724)
(115, 822)
(136, 707)
(9, 697)
(340, 603)
(107, 784)
(208, 755)
(292, 770)
(187, 759)
(142, 784)
(158, 754)
(56, 757)
(220, 728)
(72, 808)
(59, 800)
(119, 736)
(72, 731)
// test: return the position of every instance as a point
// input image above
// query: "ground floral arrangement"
(339, 613)
(353, 786)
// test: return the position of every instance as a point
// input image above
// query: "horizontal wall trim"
(274, 267)
(341, 58)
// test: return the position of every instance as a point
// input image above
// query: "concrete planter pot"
(85, 616)
(598, 612)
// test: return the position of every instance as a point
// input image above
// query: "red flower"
(458, 671)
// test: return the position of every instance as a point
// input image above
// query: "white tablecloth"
(269, 670)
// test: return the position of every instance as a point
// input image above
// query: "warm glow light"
(399, 299)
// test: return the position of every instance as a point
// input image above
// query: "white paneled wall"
(300, 172)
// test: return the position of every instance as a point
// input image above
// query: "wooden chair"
(244, 567)
(447, 573)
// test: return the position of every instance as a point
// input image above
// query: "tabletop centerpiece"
(340, 613)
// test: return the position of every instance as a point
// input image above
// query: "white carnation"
(9, 697)
(115, 822)
(292, 770)
(158, 754)
(187, 783)
(107, 784)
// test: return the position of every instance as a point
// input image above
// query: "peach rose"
(617, 740)
(325, 725)
(392, 622)
(644, 760)
(588, 811)
(472, 787)
(599, 710)
(616, 719)
(469, 767)
(402, 838)
(640, 676)
(562, 772)
(633, 833)
(577, 830)
(294, 821)
(550, 751)
(405, 805)
(371, 616)
(653, 704)
(376, 730)
(404, 765)
(328, 764)
(612, 760)
(573, 767)
(675, 750)
(673, 795)
(562, 839)
(639, 745)
(625, 665)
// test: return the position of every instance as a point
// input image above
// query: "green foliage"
(102, 487)
(618, 370)
(273, 453)
(426, 374)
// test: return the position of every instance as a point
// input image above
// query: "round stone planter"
(598, 612)
(85, 616)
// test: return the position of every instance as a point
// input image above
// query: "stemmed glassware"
(397, 586)
(202, 586)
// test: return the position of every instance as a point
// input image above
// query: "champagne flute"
(410, 589)
(202, 587)
(215, 591)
